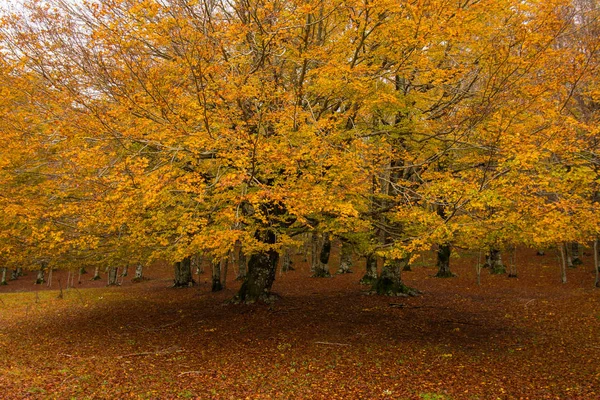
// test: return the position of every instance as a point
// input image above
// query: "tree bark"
(40, 275)
(139, 273)
(494, 262)
(321, 269)
(286, 260)
(242, 265)
(575, 254)
(125, 270)
(345, 258)
(113, 275)
(563, 262)
(224, 267)
(443, 261)
(3, 279)
(261, 272)
(371, 273)
(390, 282)
(96, 274)
(183, 273)
(596, 266)
(216, 277)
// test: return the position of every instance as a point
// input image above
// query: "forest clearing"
(526, 338)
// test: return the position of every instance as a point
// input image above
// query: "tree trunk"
(40, 275)
(390, 282)
(443, 261)
(261, 272)
(125, 271)
(286, 260)
(314, 253)
(575, 254)
(540, 253)
(196, 261)
(14, 275)
(183, 273)
(224, 266)
(139, 273)
(494, 261)
(563, 262)
(3, 279)
(96, 276)
(371, 274)
(321, 270)
(242, 265)
(513, 264)
(345, 258)
(596, 266)
(113, 275)
(216, 277)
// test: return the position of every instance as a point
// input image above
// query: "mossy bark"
(261, 272)
(371, 273)
(183, 273)
(389, 283)
(345, 258)
(242, 265)
(575, 255)
(443, 261)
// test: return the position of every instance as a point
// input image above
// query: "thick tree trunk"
(139, 273)
(14, 275)
(390, 282)
(321, 269)
(494, 262)
(183, 273)
(345, 258)
(3, 278)
(443, 261)
(371, 273)
(216, 277)
(261, 273)
(113, 275)
(575, 254)
(96, 276)
(286, 260)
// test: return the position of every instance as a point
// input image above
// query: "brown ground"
(530, 338)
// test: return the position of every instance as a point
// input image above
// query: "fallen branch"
(332, 344)
(150, 353)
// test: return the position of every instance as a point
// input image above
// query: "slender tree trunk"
(183, 273)
(371, 273)
(513, 264)
(563, 262)
(139, 273)
(14, 275)
(3, 279)
(321, 269)
(49, 283)
(596, 266)
(242, 265)
(196, 261)
(96, 276)
(216, 277)
(224, 267)
(576, 254)
(286, 260)
(443, 261)
(390, 283)
(113, 276)
(125, 270)
(41, 273)
(345, 258)
(478, 268)
(314, 253)
(261, 272)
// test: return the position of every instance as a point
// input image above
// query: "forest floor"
(529, 337)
